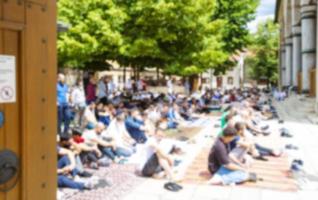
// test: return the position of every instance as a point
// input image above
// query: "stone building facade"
(298, 44)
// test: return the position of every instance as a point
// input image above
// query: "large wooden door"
(28, 32)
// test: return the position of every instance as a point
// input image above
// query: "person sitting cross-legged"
(117, 133)
(67, 172)
(93, 138)
(223, 171)
(90, 155)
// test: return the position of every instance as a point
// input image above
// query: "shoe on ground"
(287, 135)
(291, 147)
(299, 162)
(264, 128)
(85, 174)
(296, 167)
(173, 187)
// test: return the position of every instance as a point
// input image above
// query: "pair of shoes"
(299, 162)
(291, 147)
(280, 121)
(266, 133)
(173, 187)
(297, 165)
(285, 133)
(264, 128)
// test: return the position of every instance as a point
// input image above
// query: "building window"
(230, 80)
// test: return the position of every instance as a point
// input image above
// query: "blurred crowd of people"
(100, 125)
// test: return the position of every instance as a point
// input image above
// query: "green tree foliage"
(176, 35)
(236, 14)
(235, 34)
(183, 37)
(94, 35)
(262, 62)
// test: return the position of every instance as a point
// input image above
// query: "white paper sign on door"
(7, 79)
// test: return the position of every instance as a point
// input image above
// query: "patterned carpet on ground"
(274, 172)
(123, 181)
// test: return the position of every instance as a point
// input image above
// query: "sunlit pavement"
(298, 118)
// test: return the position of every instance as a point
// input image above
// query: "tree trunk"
(124, 75)
(194, 82)
(138, 73)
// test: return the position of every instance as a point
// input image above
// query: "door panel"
(29, 33)
(41, 114)
(12, 129)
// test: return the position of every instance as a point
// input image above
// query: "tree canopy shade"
(183, 37)
(263, 61)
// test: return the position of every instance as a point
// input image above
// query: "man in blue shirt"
(64, 113)
(135, 127)
(172, 119)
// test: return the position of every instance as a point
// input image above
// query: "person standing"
(91, 90)
(128, 85)
(78, 101)
(170, 86)
(111, 87)
(64, 114)
(187, 87)
(140, 85)
(102, 90)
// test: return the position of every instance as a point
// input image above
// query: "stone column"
(288, 62)
(308, 41)
(296, 54)
(296, 32)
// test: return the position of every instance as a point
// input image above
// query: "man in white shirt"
(78, 101)
(93, 137)
(118, 133)
(170, 86)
